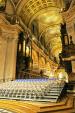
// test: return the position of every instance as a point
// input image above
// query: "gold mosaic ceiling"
(47, 14)
(30, 9)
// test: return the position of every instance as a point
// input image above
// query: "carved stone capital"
(9, 33)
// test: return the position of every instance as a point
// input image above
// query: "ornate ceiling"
(30, 9)
(47, 14)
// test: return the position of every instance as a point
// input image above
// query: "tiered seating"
(32, 89)
(67, 105)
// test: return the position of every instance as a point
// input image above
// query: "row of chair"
(35, 90)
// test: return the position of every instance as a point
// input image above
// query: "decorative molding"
(69, 15)
(41, 53)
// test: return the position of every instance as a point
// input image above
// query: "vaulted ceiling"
(47, 15)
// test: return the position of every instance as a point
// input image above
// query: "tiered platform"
(32, 90)
(67, 105)
(35, 96)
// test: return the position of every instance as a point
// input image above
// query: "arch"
(42, 63)
(12, 6)
(20, 5)
(35, 59)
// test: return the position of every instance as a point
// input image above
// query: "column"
(10, 62)
(8, 49)
(3, 45)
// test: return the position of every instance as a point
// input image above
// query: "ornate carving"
(69, 14)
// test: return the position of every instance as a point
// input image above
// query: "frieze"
(10, 35)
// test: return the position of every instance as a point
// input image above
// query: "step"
(25, 106)
(53, 94)
(50, 96)
(70, 110)
(56, 87)
(71, 91)
(55, 91)
(66, 106)
(16, 108)
(46, 99)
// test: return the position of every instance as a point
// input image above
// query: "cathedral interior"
(37, 56)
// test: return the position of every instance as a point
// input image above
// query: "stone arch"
(42, 63)
(35, 59)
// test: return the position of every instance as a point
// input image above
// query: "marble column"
(10, 61)
(14, 58)
(8, 49)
